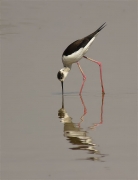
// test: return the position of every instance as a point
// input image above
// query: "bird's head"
(62, 74)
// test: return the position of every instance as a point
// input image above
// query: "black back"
(76, 45)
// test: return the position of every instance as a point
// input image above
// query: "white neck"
(65, 71)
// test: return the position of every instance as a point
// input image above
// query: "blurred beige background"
(34, 35)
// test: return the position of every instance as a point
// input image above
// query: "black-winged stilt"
(74, 52)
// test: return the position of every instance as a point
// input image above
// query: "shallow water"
(89, 136)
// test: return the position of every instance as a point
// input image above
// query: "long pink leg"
(100, 66)
(84, 77)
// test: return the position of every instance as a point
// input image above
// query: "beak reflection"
(62, 87)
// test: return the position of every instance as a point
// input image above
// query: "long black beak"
(62, 87)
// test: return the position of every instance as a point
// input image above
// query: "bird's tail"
(99, 29)
(95, 33)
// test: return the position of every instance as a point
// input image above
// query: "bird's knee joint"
(99, 63)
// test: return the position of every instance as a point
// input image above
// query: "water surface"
(91, 136)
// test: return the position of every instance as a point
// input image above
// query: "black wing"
(76, 45)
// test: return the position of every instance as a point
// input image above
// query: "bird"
(74, 53)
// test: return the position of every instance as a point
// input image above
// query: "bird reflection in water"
(76, 135)
(101, 117)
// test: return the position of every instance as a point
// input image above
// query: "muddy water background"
(34, 143)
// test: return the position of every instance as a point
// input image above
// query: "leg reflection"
(101, 117)
(84, 111)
